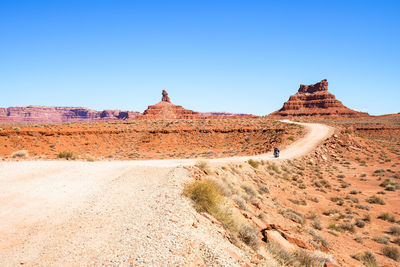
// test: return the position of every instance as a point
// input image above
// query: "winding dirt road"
(130, 213)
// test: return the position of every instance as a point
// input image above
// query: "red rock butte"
(315, 101)
(166, 110)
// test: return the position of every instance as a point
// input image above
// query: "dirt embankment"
(150, 139)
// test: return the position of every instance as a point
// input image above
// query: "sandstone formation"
(165, 97)
(40, 114)
(166, 110)
(315, 100)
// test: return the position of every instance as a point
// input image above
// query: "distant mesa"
(42, 114)
(315, 101)
(162, 110)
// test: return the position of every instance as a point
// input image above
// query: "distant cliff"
(162, 110)
(40, 114)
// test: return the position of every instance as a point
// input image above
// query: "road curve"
(71, 213)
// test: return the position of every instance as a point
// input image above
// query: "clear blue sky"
(237, 56)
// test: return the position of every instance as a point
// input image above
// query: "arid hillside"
(146, 139)
(340, 204)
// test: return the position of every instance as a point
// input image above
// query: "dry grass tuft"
(391, 252)
(367, 258)
(249, 235)
(66, 155)
(20, 154)
(253, 163)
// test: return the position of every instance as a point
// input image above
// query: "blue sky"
(236, 56)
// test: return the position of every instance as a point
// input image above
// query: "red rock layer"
(315, 100)
(39, 114)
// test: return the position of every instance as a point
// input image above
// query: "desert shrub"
(390, 185)
(293, 215)
(263, 189)
(394, 230)
(313, 199)
(319, 239)
(353, 199)
(325, 183)
(379, 171)
(311, 215)
(381, 239)
(367, 218)
(360, 223)
(338, 200)
(329, 212)
(344, 185)
(347, 227)
(249, 190)
(375, 200)
(367, 258)
(316, 223)
(253, 163)
(249, 236)
(354, 192)
(274, 167)
(303, 258)
(396, 241)
(281, 255)
(386, 216)
(240, 202)
(391, 252)
(66, 155)
(335, 199)
(20, 154)
(302, 186)
(359, 239)
(342, 227)
(363, 207)
(224, 188)
(206, 196)
(298, 202)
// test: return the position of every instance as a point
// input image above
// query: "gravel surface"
(112, 213)
(131, 213)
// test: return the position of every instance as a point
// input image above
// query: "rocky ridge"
(162, 110)
(315, 100)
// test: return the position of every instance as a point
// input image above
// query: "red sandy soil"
(148, 139)
(339, 175)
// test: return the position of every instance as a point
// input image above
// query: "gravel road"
(129, 213)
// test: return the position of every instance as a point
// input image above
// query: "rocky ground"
(337, 204)
(342, 199)
(77, 213)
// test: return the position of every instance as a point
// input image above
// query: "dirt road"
(65, 213)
